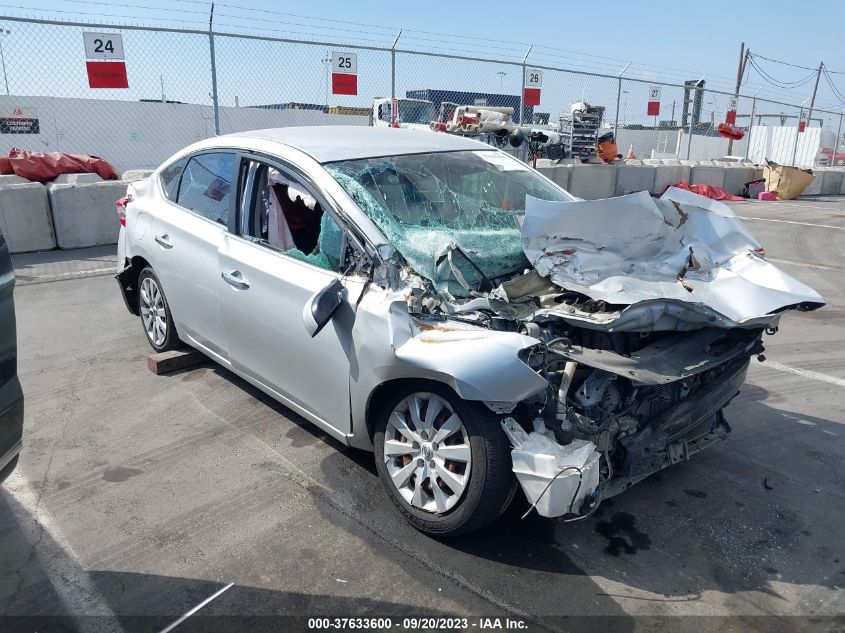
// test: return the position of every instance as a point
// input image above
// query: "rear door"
(188, 232)
(262, 311)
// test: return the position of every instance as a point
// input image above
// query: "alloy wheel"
(153, 311)
(427, 452)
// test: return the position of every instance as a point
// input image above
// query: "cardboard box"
(786, 182)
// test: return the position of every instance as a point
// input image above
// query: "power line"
(833, 88)
(777, 82)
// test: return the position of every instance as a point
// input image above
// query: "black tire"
(171, 336)
(491, 484)
(4, 474)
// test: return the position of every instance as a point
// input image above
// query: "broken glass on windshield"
(426, 204)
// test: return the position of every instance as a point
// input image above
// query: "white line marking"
(786, 261)
(50, 550)
(821, 226)
(805, 373)
(172, 626)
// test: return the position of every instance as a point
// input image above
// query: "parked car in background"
(422, 296)
(11, 396)
(829, 158)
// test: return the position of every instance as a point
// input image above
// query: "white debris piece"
(550, 473)
(682, 248)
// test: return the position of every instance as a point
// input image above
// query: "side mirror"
(320, 307)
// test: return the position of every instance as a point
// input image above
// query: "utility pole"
(740, 72)
(213, 71)
(809, 113)
(815, 89)
(4, 33)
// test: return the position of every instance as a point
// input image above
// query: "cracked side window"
(285, 214)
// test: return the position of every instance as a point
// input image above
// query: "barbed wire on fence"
(211, 80)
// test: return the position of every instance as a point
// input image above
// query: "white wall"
(673, 144)
(777, 143)
(132, 134)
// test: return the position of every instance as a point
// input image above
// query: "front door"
(267, 287)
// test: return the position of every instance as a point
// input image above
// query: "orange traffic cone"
(630, 154)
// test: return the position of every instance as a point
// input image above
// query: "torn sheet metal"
(683, 249)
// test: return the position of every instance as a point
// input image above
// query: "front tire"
(443, 461)
(155, 313)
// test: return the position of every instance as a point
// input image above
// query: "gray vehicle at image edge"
(415, 294)
(11, 396)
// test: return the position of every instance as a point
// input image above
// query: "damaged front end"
(639, 316)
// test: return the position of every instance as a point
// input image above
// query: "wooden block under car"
(166, 362)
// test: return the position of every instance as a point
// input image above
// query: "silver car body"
(631, 302)
(258, 333)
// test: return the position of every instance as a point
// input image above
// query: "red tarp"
(730, 131)
(709, 191)
(41, 166)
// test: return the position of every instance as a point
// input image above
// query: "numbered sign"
(103, 46)
(653, 101)
(802, 122)
(105, 65)
(730, 119)
(344, 73)
(533, 82)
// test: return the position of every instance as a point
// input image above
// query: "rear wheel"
(155, 313)
(444, 461)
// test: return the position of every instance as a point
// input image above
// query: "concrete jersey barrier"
(84, 214)
(77, 210)
(25, 217)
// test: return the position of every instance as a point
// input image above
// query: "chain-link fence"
(186, 84)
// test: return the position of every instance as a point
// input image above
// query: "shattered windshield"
(415, 111)
(426, 203)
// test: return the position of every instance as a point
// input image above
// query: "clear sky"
(670, 41)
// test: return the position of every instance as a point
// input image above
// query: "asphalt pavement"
(143, 495)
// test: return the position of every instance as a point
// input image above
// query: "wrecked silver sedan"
(438, 302)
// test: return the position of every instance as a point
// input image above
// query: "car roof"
(332, 143)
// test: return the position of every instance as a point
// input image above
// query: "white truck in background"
(414, 114)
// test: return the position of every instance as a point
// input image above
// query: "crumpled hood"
(683, 249)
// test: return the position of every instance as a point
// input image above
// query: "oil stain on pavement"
(622, 535)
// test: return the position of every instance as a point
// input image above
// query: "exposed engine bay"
(637, 317)
(636, 371)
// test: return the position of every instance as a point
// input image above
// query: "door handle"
(235, 279)
(164, 240)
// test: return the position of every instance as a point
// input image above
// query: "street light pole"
(326, 62)
(4, 33)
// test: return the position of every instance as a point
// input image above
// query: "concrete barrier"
(11, 179)
(707, 175)
(736, 177)
(633, 178)
(592, 182)
(84, 214)
(25, 217)
(559, 174)
(831, 182)
(665, 175)
(75, 179)
(815, 187)
(135, 174)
